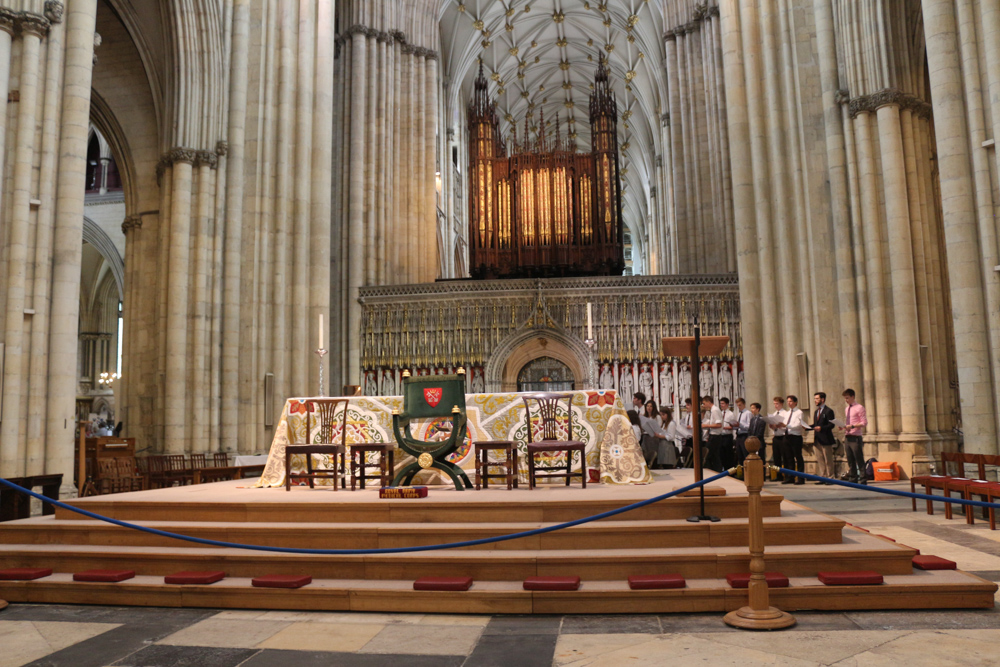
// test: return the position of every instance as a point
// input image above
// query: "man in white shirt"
(711, 424)
(794, 429)
(776, 422)
(743, 417)
(727, 453)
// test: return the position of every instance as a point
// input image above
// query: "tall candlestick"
(590, 322)
(321, 346)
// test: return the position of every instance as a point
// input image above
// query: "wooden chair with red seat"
(546, 407)
(959, 483)
(323, 410)
(978, 487)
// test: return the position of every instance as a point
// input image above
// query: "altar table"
(598, 419)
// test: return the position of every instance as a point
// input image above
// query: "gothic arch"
(97, 237)
(523, 346)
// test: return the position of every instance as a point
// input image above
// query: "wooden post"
(758, 614)
(81, 463)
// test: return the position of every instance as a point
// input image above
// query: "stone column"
(321, 196)
(68, 246)
(178, 276)
(12, 454)
(233, 232)
(41, 298)
(969, 310)
(904, 301)
(7, 20)
(356, 199)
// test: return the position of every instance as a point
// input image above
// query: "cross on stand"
(694, 347)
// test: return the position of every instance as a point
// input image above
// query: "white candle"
(590, 322)
(321, 331)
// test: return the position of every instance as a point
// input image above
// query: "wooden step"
(307, 509)
(914, 590)
(858, 551)
(796, 526)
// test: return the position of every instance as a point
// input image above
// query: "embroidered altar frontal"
(598, 419)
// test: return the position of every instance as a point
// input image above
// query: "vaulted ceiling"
(542, 55)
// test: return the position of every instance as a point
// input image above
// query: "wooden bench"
(16, 505)
(958, 482)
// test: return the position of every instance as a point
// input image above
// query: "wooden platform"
(652, 540)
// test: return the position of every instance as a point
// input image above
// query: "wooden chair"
(157, 469)
(220, 460)
(323, 409)
(384, 466)
(129, 477)
(975, 487)
(941, 481)
(547, 407)
(482, 451)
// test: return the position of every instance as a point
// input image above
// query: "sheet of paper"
(840, 422)
(773, 419)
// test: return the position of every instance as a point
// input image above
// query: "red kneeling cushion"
(638, 582)
(24, 573)
(442, 584)
(742, 580)
(933, 563)
(104, 575)
(552, 583)
(194, 577)
(857, 578)
(282, 581)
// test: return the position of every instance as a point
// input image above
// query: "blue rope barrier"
(349, 552)
(890, 492)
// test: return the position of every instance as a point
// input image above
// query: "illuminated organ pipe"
(544, 210)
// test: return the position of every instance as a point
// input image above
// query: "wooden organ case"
(544, 210)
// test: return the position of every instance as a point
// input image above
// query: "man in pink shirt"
(856, 420)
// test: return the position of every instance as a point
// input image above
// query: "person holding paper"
(776, 420)
(855, 420)
(794, 428)
(743, 417)
(824, 441)
(712, 422)
(727, 453)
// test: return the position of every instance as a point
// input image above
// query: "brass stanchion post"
(758, 614)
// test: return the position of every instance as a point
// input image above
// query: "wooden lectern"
(695, 347)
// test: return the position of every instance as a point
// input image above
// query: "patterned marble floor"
(83, 636)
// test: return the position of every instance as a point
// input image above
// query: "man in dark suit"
(755, 429)
(824, 441)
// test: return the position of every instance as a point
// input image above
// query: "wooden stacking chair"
(322, 411)
(546, 406)
(220, 460)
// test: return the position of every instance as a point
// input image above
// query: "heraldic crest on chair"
(429, 397)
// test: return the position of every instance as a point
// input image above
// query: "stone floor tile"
(310, 636)
(342, 617)
(927, 620)
(424, 640)
(508, 651)
(455, 619)
(572, 649)
(225, 633)
(273, 658)
(822, 620)
(523, 625)
(240, 614)
(825, 647)
(657, 650)
(160, 655)
(930, 649)
(621, 623)
(694, 623)
(22, 642)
